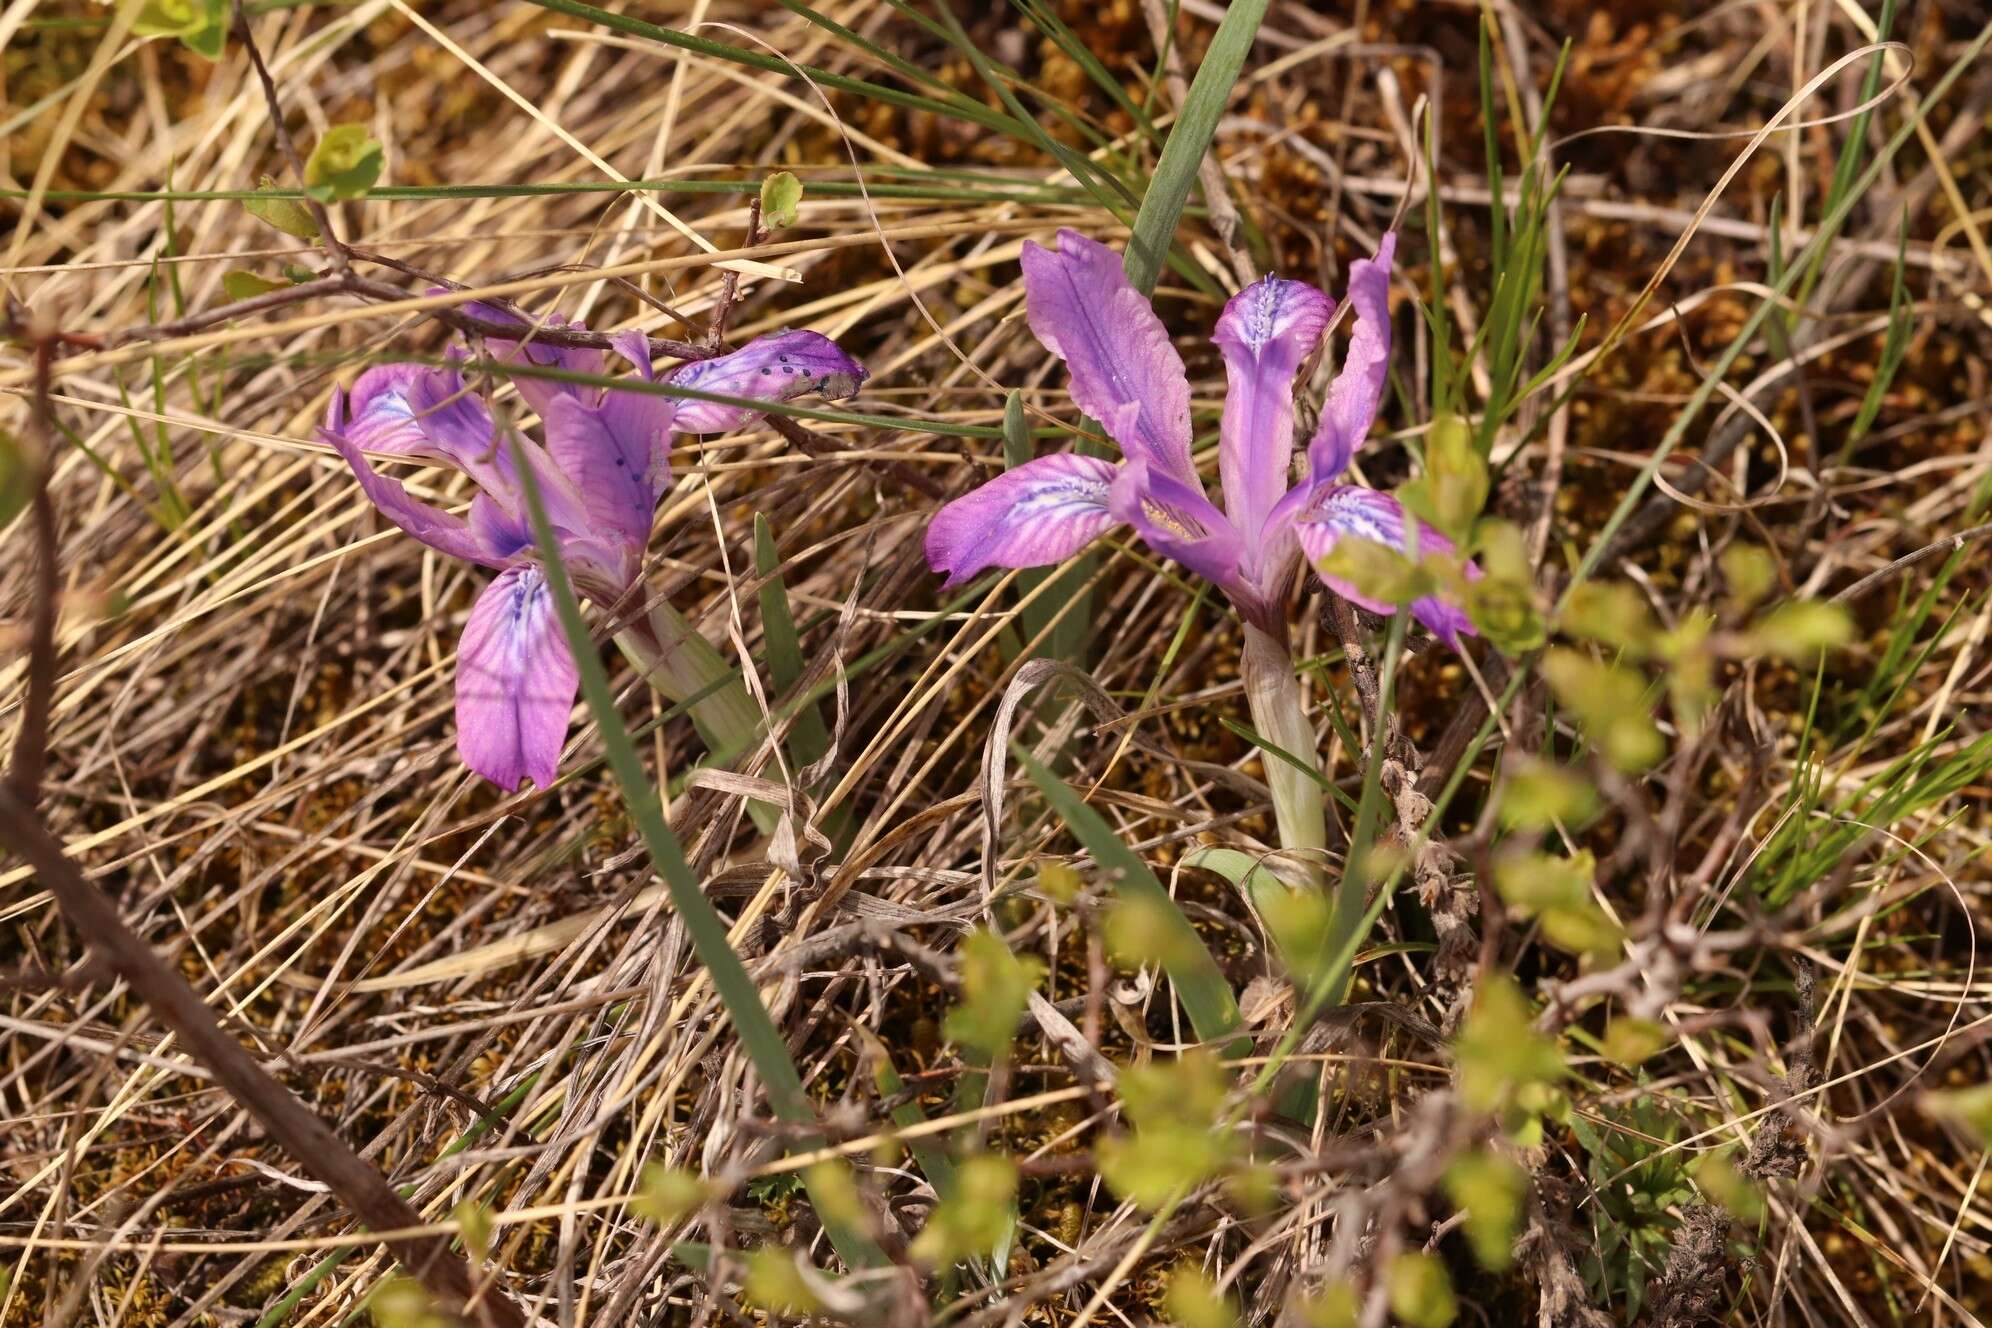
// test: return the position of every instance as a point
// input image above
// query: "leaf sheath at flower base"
(685, 668)
(1272, 693)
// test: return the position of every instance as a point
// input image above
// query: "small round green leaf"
(781, 194)
(241, 285)
(286, 214)
(344, 165)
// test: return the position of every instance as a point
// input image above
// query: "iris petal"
(516, 682)
(779, 367)
(1357, 391)
(1042, 512)
(1125, 373)
(1349, 511)
(1266, 331)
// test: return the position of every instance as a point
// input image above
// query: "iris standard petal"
(515, 683)
(1125, 373)
(423, 412)
(610, 470)
(778, 367)
(642, 422)
(435, 528)
(1266, 331)
(538, 393)
(374, 412)
(1348, 510)
(1042, 512)
(1357, 391)
(1179, 522)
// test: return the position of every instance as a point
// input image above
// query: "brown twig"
(24, 770)
(729, 284)
(1948, 544)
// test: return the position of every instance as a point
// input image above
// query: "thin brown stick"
(333, 247)
(1948, 544)
(30, 757)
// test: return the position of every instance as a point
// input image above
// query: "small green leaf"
(1302, 924)
(1192, 1301)
(473, 1219)
(1254, 1190)
(1612, 613)
(667, 1195)
(1629, 1040)
(1060, 882)
(1335, 1305)
(286, 214)
(1140, 931)
(168, 18)
(1689, 657)
(1499, 1053)
(1503, 550)
(835, 1194)
(1969, 1107)
(344, 165)
(774, 1282)
(1176, 1144)
(241, 285)
(1800, 630)
(1611, 702)
(1719, 1179)
(996, 987)
(1151, 1167)
(1536, 794)
(1504, 610)
(1421, 1293)
(1489, 1188)
(1535, 881)
(973, 1220)
(1556, 891)
(1750, 573)
(1453, 489)
(402, 1302)
(1376, 571)
(201, 25)
(1188, 1091)
(781, 194)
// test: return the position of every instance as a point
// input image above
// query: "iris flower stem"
(681, 664)
(1272, 691)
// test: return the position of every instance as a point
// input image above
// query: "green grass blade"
(1207, 997)
(1182, 156)
(759, 1037)
(1852, 147)
(810, 738)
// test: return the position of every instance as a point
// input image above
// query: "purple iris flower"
(1127, 375)
(605, 463)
